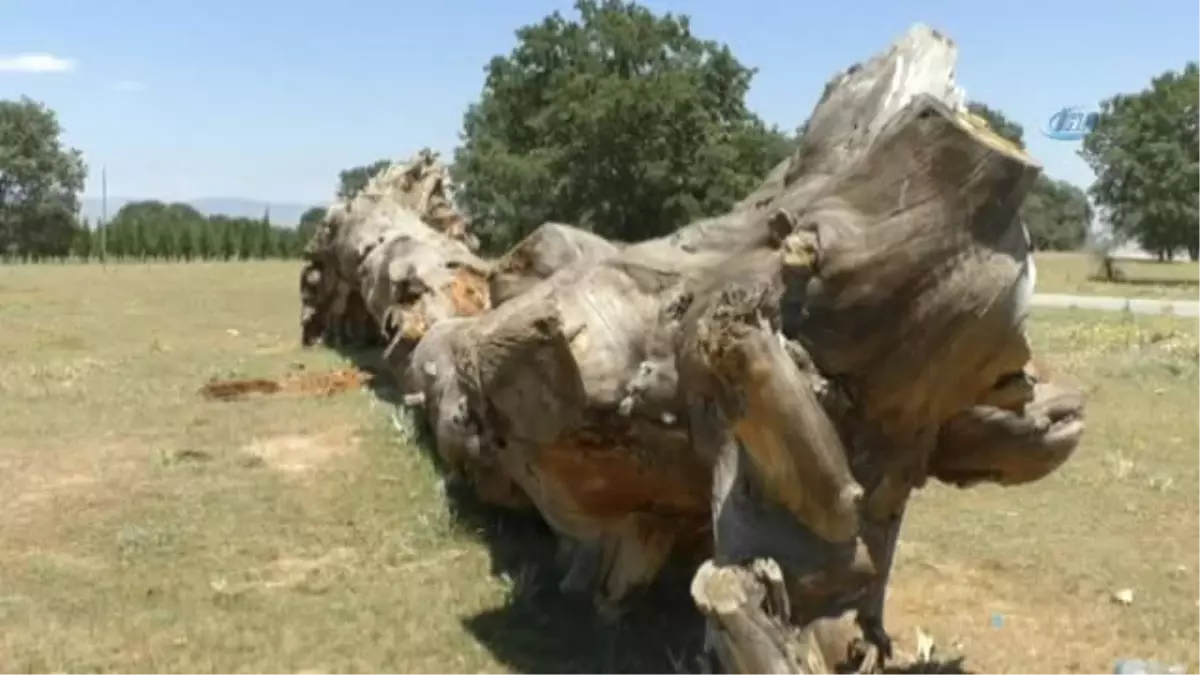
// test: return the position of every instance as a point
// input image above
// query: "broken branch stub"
(731, 356)
(750, 628)
(990, 443)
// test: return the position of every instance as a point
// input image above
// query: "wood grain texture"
(767, 386)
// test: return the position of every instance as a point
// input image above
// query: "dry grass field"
(1075, 273)
(149, 529)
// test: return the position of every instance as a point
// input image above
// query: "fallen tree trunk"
(769, 385)
(760, 348)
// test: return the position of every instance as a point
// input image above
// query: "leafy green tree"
(1145, 151)
(81, 243)
(998, 122)
(140, 227)
(1056, 213)
(110, 242)
(288, 242)
(352, 180)
(263, 236)
(231, 238)
(40, 182)
(309, 222)
(188, 242)
(621, 121)
(179, 219)
(249, 241)
(211, 235)
(135, 243)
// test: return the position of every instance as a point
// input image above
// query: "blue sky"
(268, 99)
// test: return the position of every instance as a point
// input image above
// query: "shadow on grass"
(541, 629)
(370, 360)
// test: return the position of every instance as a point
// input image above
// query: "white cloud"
(36, 63)
(128, 85)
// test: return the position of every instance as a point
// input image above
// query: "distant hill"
(282, 213)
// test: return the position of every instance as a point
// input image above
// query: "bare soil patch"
(298, 454)
(298, 384)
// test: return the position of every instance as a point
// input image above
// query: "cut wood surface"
(767, 386)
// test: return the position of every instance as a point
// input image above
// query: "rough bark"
(750, 628)
(549, 248)
(1010, 442)
(545, 377)
(905, 234)
(769, 385)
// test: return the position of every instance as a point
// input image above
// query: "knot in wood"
(547, 325)
(746, 304)
(414, 326)
(516, 261)
(800, 251)
(409, 288)
(312, 276)
(780, 224)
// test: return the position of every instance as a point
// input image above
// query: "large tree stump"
(768, 385)
(764, 343)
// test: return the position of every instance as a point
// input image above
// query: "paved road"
(1107, 303)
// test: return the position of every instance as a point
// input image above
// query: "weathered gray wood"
(750, 627)
(769, 384)
(391, 261)
(548, 249)
(548, 372)
(992, 443)
(596, 432)
(908, 299)
(729, 352)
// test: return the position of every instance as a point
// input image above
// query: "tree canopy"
(310, 220)
(1056, 213)
(1145, 151)
(351, 180)
(40, 182)
(620, 121)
